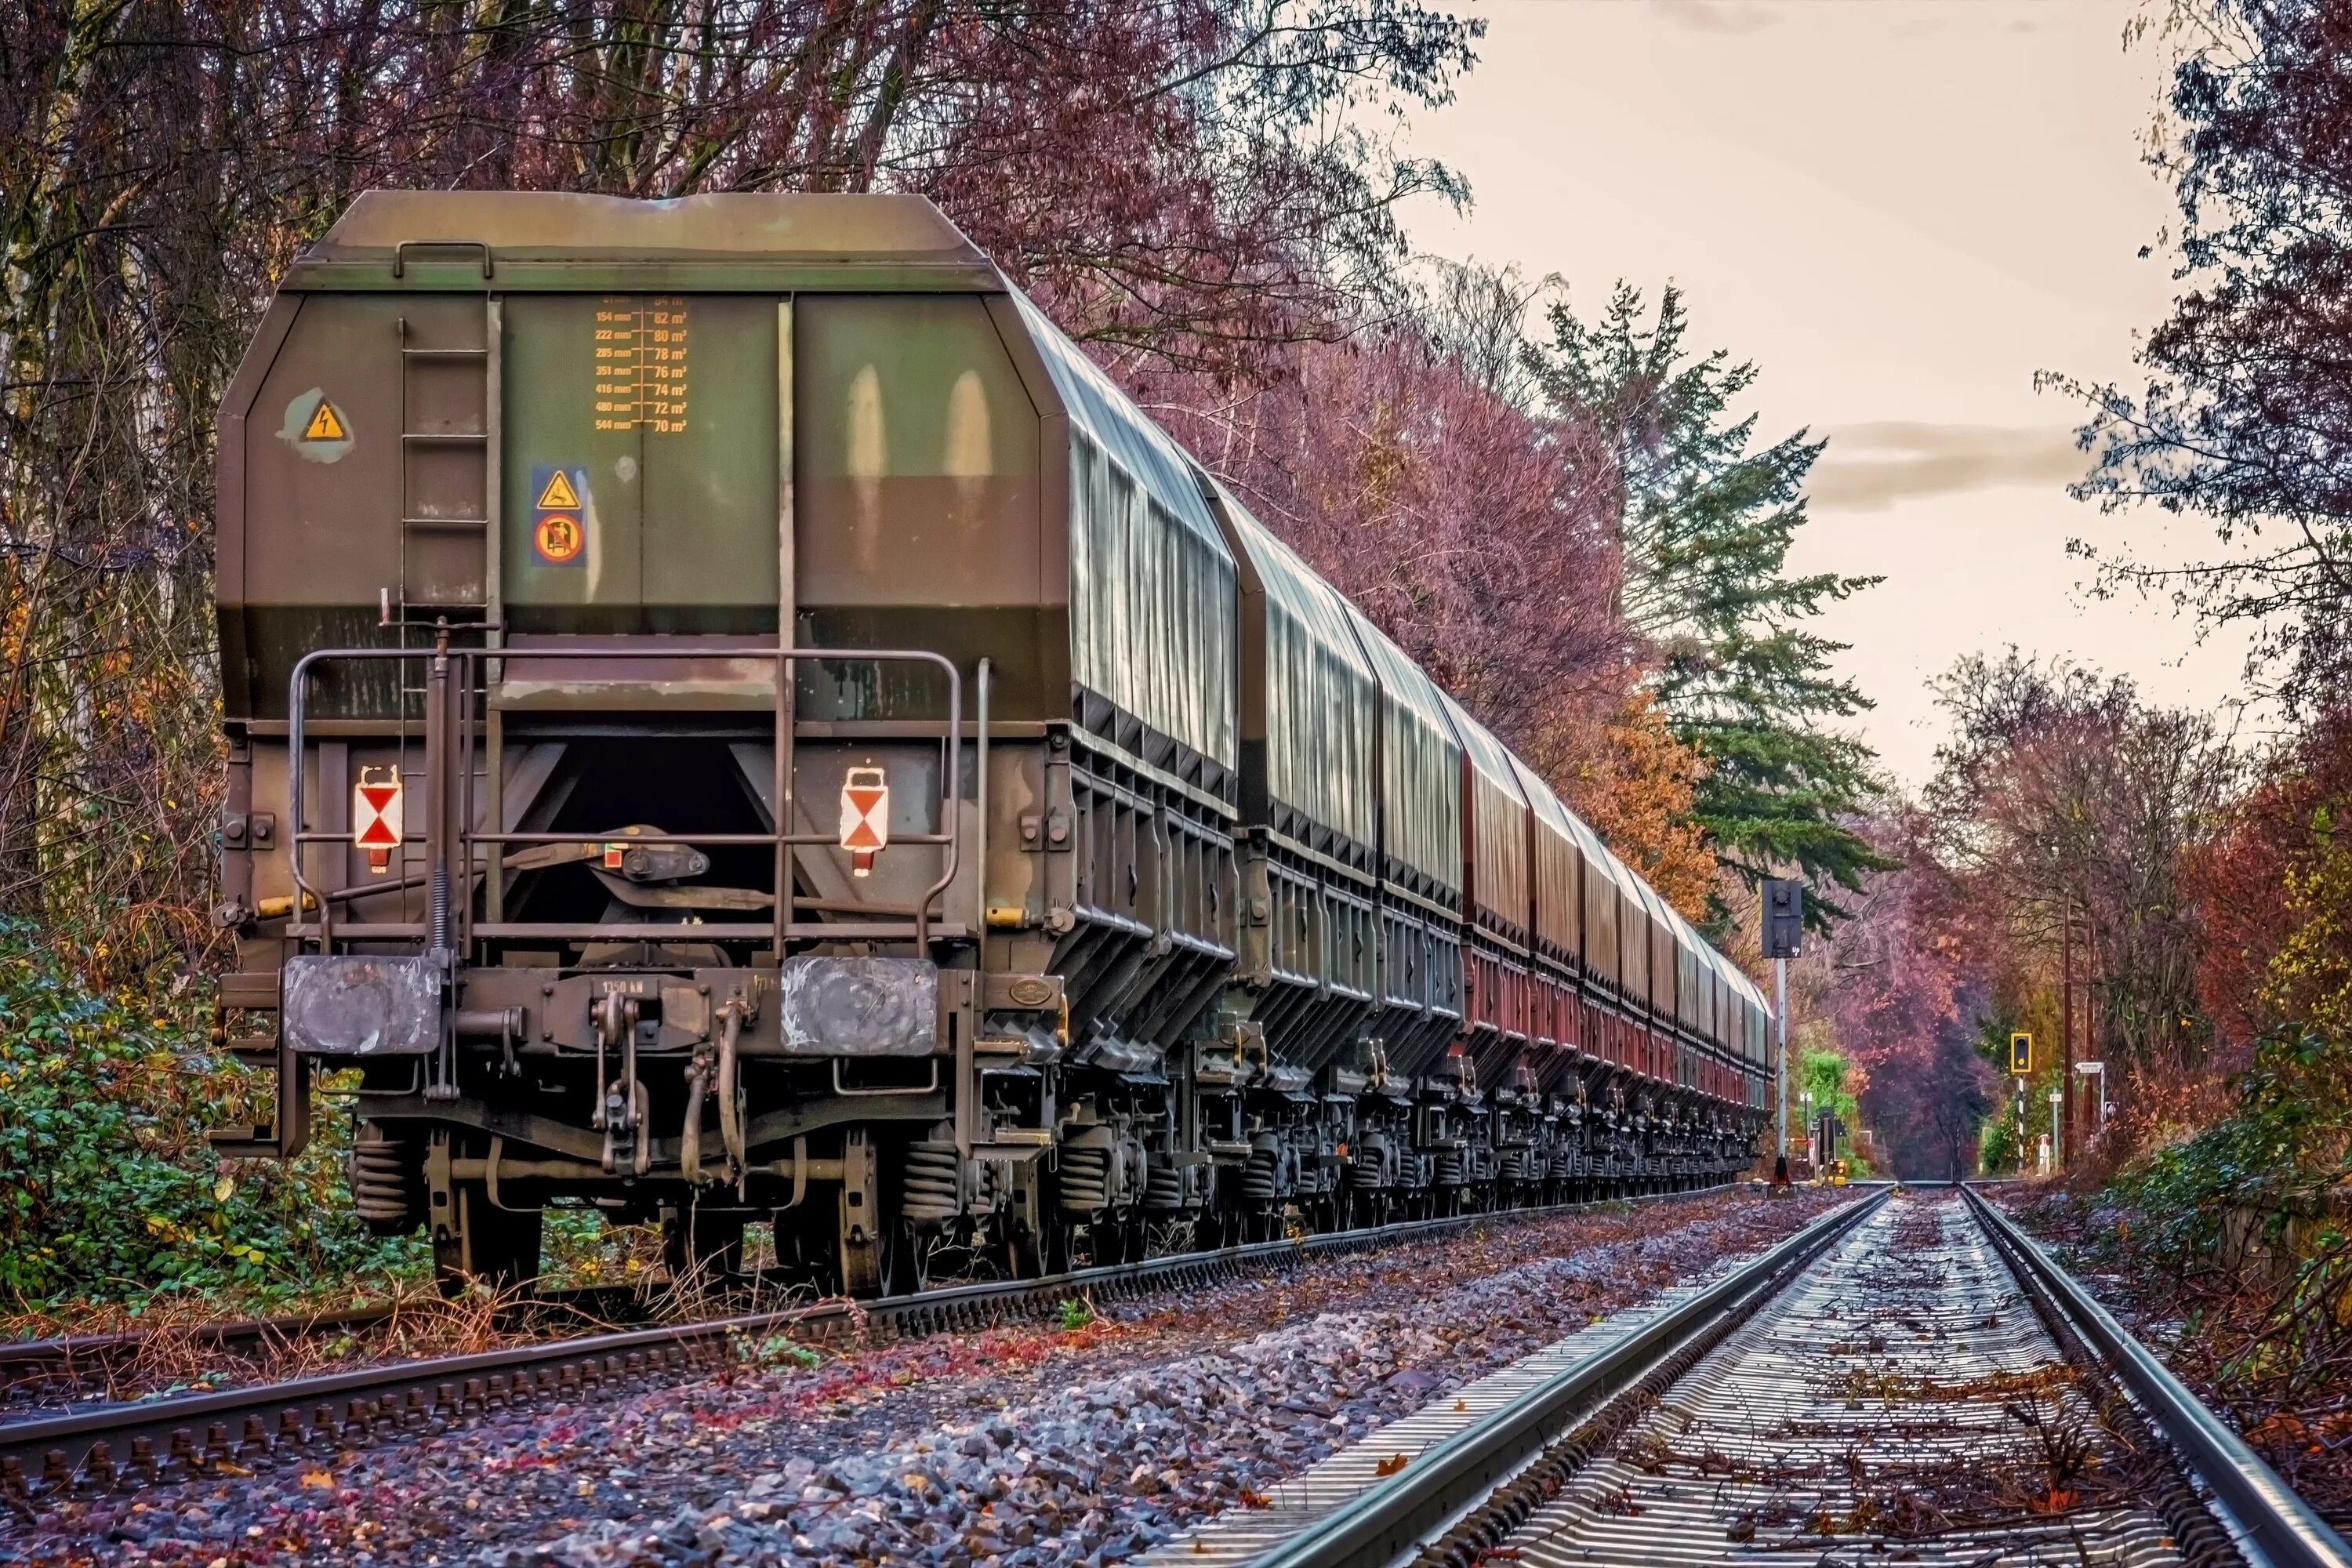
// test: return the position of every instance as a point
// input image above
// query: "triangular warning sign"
(558, 495)
(326, 424)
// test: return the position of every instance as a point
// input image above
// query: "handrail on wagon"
(449, 836)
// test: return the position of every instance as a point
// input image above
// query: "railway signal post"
(1784, 927)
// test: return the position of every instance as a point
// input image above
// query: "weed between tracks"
(173, 1346)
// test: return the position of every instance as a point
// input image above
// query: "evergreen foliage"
(1705, 519)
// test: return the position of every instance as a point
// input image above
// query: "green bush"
(1825, 1075)
(2281, 1152)
(107, 1190)
(2235, 1240)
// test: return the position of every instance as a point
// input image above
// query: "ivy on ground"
(108, 1192)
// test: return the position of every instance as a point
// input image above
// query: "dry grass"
(186, 1346)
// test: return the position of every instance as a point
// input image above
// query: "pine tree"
(1704, 523)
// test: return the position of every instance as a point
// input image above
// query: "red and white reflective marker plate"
(376, 815)
(865, 817)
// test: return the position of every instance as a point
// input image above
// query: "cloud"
(1719, 16)
(1869, 468)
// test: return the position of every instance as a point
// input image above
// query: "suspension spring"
(1367, 1172)
(387, 1179)
(1163, 1189)
(933, 1170)
(1449, 1169)
(1086, 1179)
(1258, 1175)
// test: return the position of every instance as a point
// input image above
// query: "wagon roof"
(553, 238)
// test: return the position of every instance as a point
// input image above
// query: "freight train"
(733, 719)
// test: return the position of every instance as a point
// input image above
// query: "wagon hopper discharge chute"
(732, 717)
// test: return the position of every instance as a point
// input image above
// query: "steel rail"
(258, 1425)
(68, 1354)
(78, 1360)
(2273, 1527)
(1391, 1516)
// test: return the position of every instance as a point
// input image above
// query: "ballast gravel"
(1017, 1448)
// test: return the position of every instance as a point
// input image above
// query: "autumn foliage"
(1200, 183)
(1573, 534)
(1414, 468)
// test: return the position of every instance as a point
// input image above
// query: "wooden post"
(2067, 1036)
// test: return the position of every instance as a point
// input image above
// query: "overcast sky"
(1901, 210)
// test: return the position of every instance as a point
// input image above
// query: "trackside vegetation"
(107, 1190)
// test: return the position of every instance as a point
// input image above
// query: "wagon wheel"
(905, 1261)
(1017, 1247)
(1060, 1242)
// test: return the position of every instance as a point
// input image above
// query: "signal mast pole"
(1784, 929)
(1780, 985)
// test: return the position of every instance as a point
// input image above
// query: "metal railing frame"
(450, 839)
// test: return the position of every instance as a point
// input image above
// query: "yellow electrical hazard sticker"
(325, 424)
(558, 538)
(315, 428)
(556, 495)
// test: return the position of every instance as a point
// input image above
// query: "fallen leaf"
(317, 1481)
(1389, 1466)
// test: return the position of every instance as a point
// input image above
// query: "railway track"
(256, 1426)
(1908, 1380)
(35, 1374)
(72, 1363)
